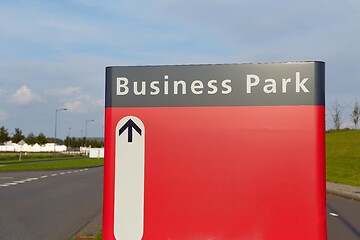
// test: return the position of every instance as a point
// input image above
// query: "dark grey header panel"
(287, 84)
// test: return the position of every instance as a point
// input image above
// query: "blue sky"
(53, 53)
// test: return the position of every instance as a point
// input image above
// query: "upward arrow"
(130, 125)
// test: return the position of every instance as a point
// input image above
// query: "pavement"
(93, 227)
(347, 191)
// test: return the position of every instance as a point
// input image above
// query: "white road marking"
(36, 178)
(334, 214)
(30, 179)
(20, 181)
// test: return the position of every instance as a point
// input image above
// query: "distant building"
(22, 146)
(96, 152)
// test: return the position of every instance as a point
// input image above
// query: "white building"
(24, 147)
(96, 152)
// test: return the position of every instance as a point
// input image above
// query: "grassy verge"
(53, 165)
(343, 157)
(25, 157)
(99, 236)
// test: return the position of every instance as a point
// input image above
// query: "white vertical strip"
(129, 179)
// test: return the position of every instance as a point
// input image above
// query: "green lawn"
(343, 157)
(53, 165)
(14, 157)
(99, 236)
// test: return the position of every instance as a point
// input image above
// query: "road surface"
(343, 219)
(48, 204)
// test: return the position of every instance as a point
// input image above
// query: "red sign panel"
(245, 163)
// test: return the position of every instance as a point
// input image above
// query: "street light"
(86, 122)
(57, 110)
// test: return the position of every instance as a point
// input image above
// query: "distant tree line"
(41, 139)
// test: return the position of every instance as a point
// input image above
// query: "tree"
(76, 142)
(4, 135)
(30, 139)
(336, 115)
(355, 114)
(67, 141)
(41, 139)
(18, 136)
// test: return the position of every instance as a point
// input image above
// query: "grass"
(99, 236)
(45, 161)
(14, 157)
(53, 165)
(343, 157)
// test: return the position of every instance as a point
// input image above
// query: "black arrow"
(130, 125)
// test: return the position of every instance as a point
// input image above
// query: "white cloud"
(25, 96)
(83, 104)
(4, 115)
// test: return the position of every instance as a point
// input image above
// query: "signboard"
(232, 151)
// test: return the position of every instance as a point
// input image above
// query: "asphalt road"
(343, 219)
(48, 204)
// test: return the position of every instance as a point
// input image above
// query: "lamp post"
(86, 123)
(57, 110)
